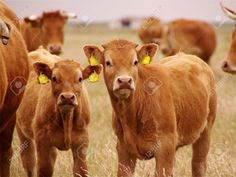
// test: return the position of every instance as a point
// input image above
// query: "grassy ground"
(102, 158)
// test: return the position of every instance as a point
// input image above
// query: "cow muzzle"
(227, 67)
(123, 86)
(55, 49)
(67, 99)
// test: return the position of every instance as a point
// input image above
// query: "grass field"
(102, 158)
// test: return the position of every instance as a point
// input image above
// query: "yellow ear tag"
(93, 61)
(94, 77)
(146, 60)
(43, 79)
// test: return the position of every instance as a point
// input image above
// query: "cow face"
(52, 28)
(120, 60)
(66, 80)
(229, 65)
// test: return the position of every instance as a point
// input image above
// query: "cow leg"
(5, 148)
(27, 153)
(200, 151)
(126, 162)
(46, 157)
(202, 145)
(165, 156)
(79, 157)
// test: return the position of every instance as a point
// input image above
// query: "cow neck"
(65, 117)
(125, 111)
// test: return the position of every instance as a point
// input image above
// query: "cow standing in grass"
(157, 108)
(54, 115)
(46, 30)
(229, 65)
(13, 77)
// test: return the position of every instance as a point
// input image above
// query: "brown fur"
(46, 30)
(48, 125)
(13, 64)
(150, 30)
(189, 36)
(155, 122)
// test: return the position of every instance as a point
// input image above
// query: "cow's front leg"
(165, 156)
(126, 161)
(46, 156)
(79, 157)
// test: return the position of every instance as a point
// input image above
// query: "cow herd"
(43, 95)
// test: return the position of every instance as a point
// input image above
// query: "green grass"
(102, 158)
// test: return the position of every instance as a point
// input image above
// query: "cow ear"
(147, 52)
(42, 69)
(33, 21)
(92, 72)
(93, 54)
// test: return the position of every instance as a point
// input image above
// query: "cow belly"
(190, 125)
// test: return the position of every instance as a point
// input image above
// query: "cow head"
(120, 60)
(52, 28)
(66, 80)
(229, 65)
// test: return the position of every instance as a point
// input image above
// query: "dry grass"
(102, 159)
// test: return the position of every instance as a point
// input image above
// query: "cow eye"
(54, 79)
(135, 62)
(108, 63)
(80, 79)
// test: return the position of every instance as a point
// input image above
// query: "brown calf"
(46, 30)
(150, 30)
(229, 65)
(13, 77)
(54, 115)
(157, 108)
(189, 36)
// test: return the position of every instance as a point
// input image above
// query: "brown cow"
(46, 30)
(150, 30)
(54, 115)
(157, 108)
(189, 36)
(13, 77)
(229, 65)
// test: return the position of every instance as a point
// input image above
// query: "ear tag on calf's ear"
(146, 60)
(93, 61)
(43, 79)
(94, 77)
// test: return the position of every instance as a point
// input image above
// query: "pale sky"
(103, 10)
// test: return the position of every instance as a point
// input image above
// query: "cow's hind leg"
(6, 149)
(27, 153)
(202, 145)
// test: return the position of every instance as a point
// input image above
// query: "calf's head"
(52, 26)
(229, 64)
(66, 81)
(120, 60)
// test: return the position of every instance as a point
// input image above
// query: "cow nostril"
(63, 97)
(72, 97)
(225, 65)
(119, 80)
(130, 80)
